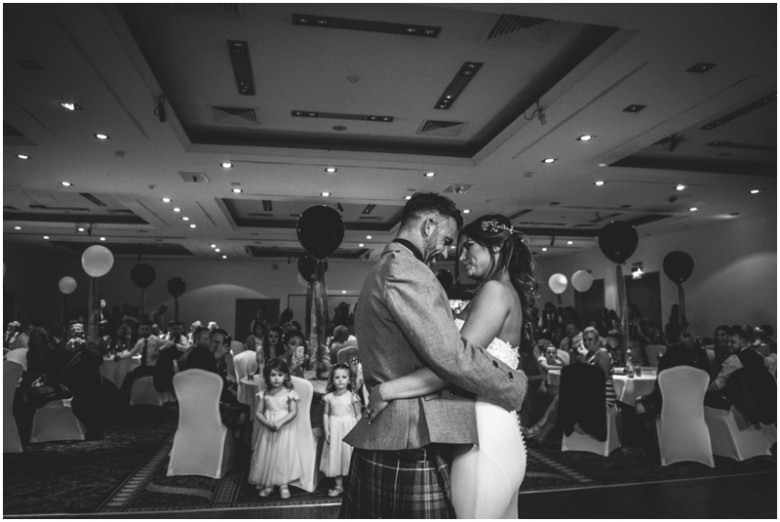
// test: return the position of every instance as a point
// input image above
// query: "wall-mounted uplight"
(23, 156)
(599, 183)
(755, 191)
(66, 183)
(549, 160)
(70, 106)
(102, 137)
(226, 165)
(680, 186)
(325, 194)
(331, 170)
(586, 137)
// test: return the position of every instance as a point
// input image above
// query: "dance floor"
(124, 476)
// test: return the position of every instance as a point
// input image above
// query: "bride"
(485, 479)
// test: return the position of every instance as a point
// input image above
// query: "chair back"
(345, 354)
(202, 444)
(582, 400)
(682, 430)
(18, 355)
(307, 446)
(245, 364)
(653, 352)
(12, 372)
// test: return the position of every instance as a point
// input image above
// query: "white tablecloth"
(628, 389)
(115, 371)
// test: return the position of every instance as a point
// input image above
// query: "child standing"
(276, 461)
(342, 411)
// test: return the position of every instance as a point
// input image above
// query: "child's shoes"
(335, 491)
(266, 492)
(284, 492)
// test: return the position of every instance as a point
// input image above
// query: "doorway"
(645, 294)
(589, 304)
(248, 310)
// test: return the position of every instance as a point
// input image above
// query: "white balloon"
(558, 283)
(97, 260)
(67, 285)
(581, 280)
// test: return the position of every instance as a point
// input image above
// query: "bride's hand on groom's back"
(375, 404)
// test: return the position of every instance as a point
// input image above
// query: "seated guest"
(42, 367)
(147, 347)
(600, 357)
(341, 338)
(572, 342)
(256, 339)
(170, 354)
(551, 357)
(737, 342)
(615, 347)
(721, 343)
(274, 348)
(295, 352)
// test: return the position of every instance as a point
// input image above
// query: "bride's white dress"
(486, 479)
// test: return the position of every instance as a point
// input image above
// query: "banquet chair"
(202, 445)
(56, 421)
(245, 364)
(345, 354)
(307, 445)
(581, 441)
(12, 372)
(681, 428)
(732, 436)
(653, 352)
(144, 392)
(17, 355)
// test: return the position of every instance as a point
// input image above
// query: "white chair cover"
(307, 445)
(733, 437)
(202, 444)
(581, 441)
(18, 355)
(345, 353)
(56, 421)
(653, 352)
(144, 392)
(12, 372)
(245, 363)
(682, 430)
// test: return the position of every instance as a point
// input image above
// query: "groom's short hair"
(425, 202)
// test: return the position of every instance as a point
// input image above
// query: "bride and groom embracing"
(440, 437)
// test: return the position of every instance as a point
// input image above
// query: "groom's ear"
(426, 226)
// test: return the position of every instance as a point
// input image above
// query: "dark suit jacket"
(403, 323)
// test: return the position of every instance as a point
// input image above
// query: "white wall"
(734, 279)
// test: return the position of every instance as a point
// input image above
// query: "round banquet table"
(628, 389)
(116, 370)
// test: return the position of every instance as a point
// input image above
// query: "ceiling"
(479, 94)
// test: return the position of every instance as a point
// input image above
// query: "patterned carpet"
(126, 473)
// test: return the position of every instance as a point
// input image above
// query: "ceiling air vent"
(442, 128)
(233, 115)
(208, 10)
(524, 30)
(91, 198)
(194, 177)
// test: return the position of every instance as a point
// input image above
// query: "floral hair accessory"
(493, 226)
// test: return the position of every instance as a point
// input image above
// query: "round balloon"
(558, 283)
(320, 230)
(308, 267)
(678, 266)
(97, 260)
(67, 285)
(142, 275)
(581, 280)
(618, 240)
(176, 286)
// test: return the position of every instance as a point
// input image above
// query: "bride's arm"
(486, 317)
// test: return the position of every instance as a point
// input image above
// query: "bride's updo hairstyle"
(514, 258)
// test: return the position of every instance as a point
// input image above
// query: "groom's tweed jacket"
(404, 322)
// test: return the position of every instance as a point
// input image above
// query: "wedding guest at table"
(721, 343)
(274, 348)
(598, 356)
(548, 358)
(548, 320)
(572, 342)
(12, 331)
(614, 346)
(295, 352)
(191, 333)
(341, 339)
(256, 340)
(147, 347)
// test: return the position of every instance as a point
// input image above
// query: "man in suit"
(403, 321)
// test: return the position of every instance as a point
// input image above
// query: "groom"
(403, 322)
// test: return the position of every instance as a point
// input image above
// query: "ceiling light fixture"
(602, 164)
(325, 194)
(549, 160)
(166, 200)
(70, 106)
(361, 245)
(570, 242)
(217, 250)
(331, 170)
(237, 190)
(46, 237)
(407, 198)
(17, 227)
(23, 156)
(466, 211)
(599, 183)
(81, 229)
(680, 187)
(224, 257)
(226, 165)
(586, 137)
(242, 66)
(755, 191)
(369, 237)
(693, 209)
(465, 74)
(102, 238)
(66, 183)
(101, 136)
(185, 218)
(430, 174)
(193, 225)
(176, 209)
(634, 108)
(544, 249)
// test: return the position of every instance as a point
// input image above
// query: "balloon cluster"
(320, 231)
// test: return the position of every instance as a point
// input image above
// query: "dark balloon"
(445, 278)
(320, 230)
(311, 268)
(142, 275)
(618, 241)
(176, 286)
(678, 266)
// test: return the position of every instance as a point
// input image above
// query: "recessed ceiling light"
(570, 242)
(23, 156)
(193, 225)
(102, 238)
(361, 245)
(407, 198)
(176, 209)
(634, 108)
(226, 165)
(343, 291)
(166, 200)
(217, 250)
(237, 190)
(70, 106)
(81, 229)
(466, 211)
(599, 183)
(602, 164)
(325, 194)
(548, 160)
(369, 237)
(331, 170)
(224, 257)
(66, 183)
(586, 137)
(693, 209)
(185, 218)
(46, 237)
(102, 136)
(17, 227)
(544, 249)
(213, 246)
(755, 191)
(680, 187)
(430, 174)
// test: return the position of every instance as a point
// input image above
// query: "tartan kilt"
(389, 484)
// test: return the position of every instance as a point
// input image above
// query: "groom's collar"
(413, 249)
